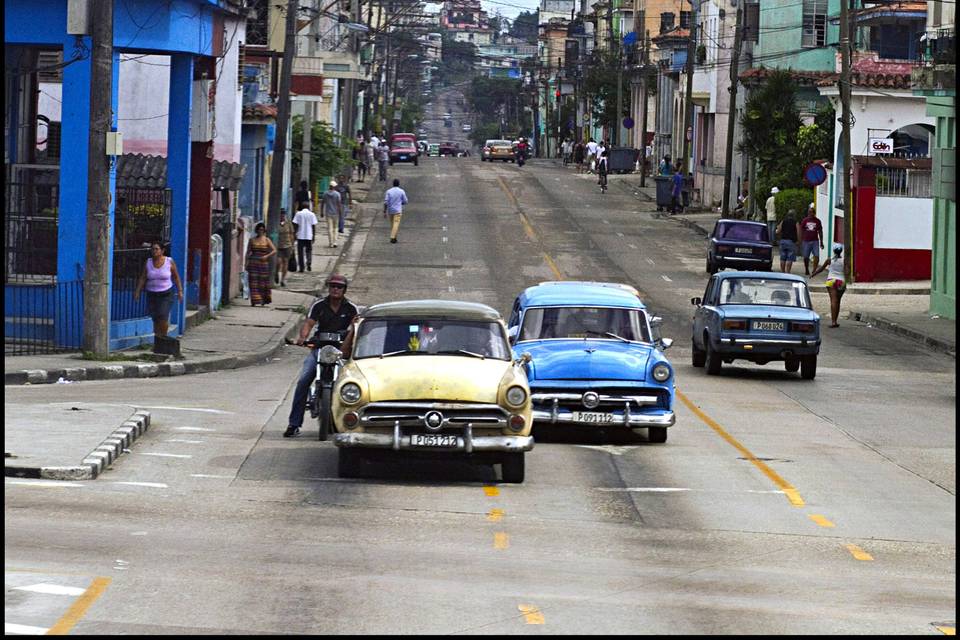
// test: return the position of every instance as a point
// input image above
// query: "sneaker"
(291, 432)
(283, 283)
(393, 240)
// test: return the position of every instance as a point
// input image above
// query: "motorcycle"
(320, 395)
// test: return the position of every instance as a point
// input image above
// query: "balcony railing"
(903, 183)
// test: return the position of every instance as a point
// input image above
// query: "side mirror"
(512, 334)
(696, 301)
(656, 321)
(524, 359)
(666, 343)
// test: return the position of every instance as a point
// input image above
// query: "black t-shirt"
(788, 230)
(328, 321)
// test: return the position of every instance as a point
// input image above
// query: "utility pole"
(732, 115)
(96, 285)
(613, 40)
(283, 121)
(643, 124)
(845, 117)
(307, 138)
(688, 109)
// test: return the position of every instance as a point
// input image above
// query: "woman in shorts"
(835, 284)
(789, 231)
(159, 277)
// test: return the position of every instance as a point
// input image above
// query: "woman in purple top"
(159, 275)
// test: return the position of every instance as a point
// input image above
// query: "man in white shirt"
(772, 212)
(393, 201)
(591, 155)
(305, 223)
(374, 141)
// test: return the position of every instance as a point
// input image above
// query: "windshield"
(782, 293)
(385, 336)
(543, 323)
(403, 144)
(749, 232)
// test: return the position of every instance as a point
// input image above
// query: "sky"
(509, 8)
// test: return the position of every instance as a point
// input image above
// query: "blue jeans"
(344, 212)
(772, 230)
(307, 373)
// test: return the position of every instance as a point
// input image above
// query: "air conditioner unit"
(201, 113)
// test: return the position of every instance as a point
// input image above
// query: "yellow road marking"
(528, 229)
(530, 613)
(820, 520)
(490, 490)
(79, 607)
(792, 494)
(947, 631)
(495, 515)
(501, 540)
(859, 553)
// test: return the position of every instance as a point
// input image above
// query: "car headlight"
(350, 392)
(516, 396)
(661, 372)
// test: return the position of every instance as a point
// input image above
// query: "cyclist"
(603, 166)
(333, 313)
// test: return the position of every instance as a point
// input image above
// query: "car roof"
(727, 221)
(765, 275)
(455, 309)
(575, 293)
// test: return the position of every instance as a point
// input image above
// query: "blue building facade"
(47, 194)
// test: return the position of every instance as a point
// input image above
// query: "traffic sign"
(814, 174)
(628, 123)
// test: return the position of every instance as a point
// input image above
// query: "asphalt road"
(777, 505)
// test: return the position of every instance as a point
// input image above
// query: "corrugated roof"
(139, 171)
(260, 111)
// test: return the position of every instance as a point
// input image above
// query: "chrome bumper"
(801, 342)
(632, 420)
(466, 443)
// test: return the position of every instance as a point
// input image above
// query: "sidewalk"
(76, 441)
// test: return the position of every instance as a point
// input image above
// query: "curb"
(97, 460)
(889, 326)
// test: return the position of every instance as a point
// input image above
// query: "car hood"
(462, 378)
(586, 360)
(761, 312)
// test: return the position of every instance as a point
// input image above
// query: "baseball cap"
(775, 190)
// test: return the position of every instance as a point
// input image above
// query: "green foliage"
(484, 132)
(456, 61)
(796, 199)
(525, 26)
(327, 158)
(493, 99)
(815, 141)
(600, 83)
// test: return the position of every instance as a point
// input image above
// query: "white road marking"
(606, 222)
(138, 533)
(449, 273)
(444, 228)
(46, 483)
(194, 429)
(157, 485)
(451, 289)
(52, 589)
(23, 629)
(608, 448)
(164, 455)
(140, 406)
(208, 475)
(650, 261)
(644, 489)
(632, 246)
(185, 441)
(444, 238)
(666, 278)
(619, 234)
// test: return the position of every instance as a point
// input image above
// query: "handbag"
(292, 263)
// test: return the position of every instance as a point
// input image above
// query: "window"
(814, 23)
(751, 18)
(781, 293)
(430, 336)
(684, 19)
(543, 323)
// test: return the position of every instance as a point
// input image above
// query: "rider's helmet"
(336, 278)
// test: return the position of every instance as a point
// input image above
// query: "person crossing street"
(393, 201)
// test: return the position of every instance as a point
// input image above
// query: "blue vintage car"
(756, 316)
(596, 357)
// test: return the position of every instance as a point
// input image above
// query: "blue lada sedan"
(759, 317)
(595, 357)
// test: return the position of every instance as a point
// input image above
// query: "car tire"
(712, 360)
(512, 468)
(808, 367)
(348, 463)
(791, 364)
(711, 267)
(657, 434)
(325, 419)
(416, 163)
(697, 356)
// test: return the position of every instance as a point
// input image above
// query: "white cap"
(775, 190)
(333, 183)
(812, 206)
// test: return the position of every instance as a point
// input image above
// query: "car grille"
(413, 415)
(611, 398)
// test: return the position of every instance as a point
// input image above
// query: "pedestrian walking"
(304, 194)
(346, 200)
(286, 240)
(811, 239)
(360, 157)
(835, 284)
(771, 208)
(306, 224)
(789, 230)
(591, 155)
(159, 277)
(259, 251)
(676, 204)
(370, 150)
(383, 157)
(578, 154)
(602, 166)
(393, 201)
(665, 168)
(331, 206)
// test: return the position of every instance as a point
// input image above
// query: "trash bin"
(622, 159)
(664, 189)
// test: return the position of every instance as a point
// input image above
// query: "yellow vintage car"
(437, 378)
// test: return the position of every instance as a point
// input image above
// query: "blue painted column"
(112, 210)
(178, 170)
(72, 215)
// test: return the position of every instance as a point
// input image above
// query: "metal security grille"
(903, 183)
(814, 23)
(46, 318)
(142, 216)
(32, 195)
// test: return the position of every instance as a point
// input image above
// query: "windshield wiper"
(613, 335)
(464, 352)
(401, 352)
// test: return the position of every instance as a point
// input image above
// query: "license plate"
(433, 440)
(743, 250)
(403, 157)
(768, 326)
(593, 417)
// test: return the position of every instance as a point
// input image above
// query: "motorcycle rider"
(522, 150)
(333, 313)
